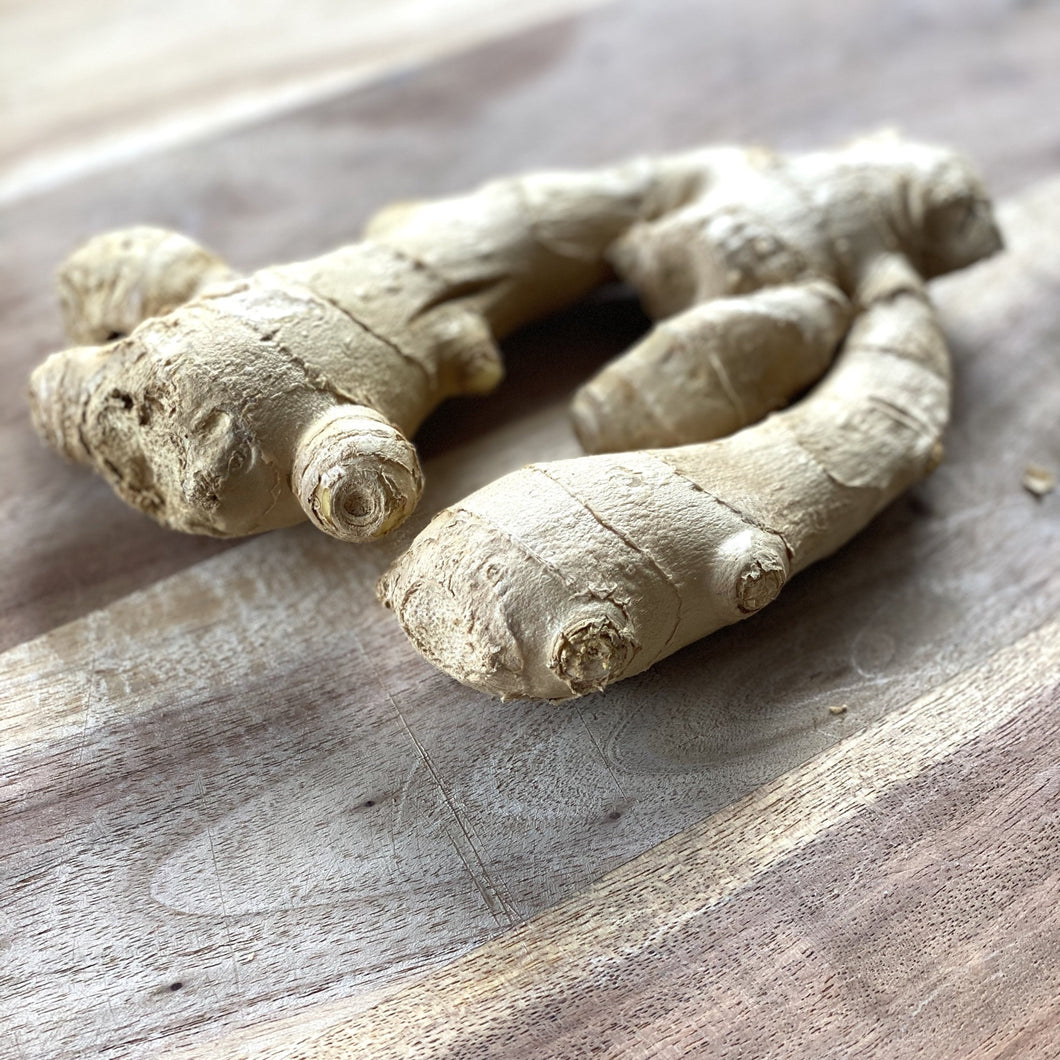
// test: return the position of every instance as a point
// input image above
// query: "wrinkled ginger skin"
(292, 393)
(755, 276)
(714, 368)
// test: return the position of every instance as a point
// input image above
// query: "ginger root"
(227, 406)
(120, 278)
(564, 577)
(292, 393)
(561, 578)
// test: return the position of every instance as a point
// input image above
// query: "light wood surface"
(88, 85)
(224, 768)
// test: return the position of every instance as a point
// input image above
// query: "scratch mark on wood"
(599, 749)
(224, 910)
(498, 902)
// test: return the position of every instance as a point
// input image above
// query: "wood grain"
(900, 888)
(223, 767)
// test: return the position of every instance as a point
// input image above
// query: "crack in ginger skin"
(228, 406)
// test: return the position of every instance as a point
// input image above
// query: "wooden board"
(224, 768)
(895, 895)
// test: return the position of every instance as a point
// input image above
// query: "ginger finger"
(59, 390)
(561, 578)
(118, 279)
(712, 369)
(753, 222)
(520, 247)
(355, 475)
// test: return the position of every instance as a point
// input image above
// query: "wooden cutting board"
(242, 817)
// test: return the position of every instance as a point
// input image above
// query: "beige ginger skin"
(564, 577)
(561, 578)
(292, 393)
(227, 405)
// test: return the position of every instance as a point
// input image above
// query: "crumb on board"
(1038, 480)
(837, 709)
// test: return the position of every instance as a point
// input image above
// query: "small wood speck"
(1038, 480)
